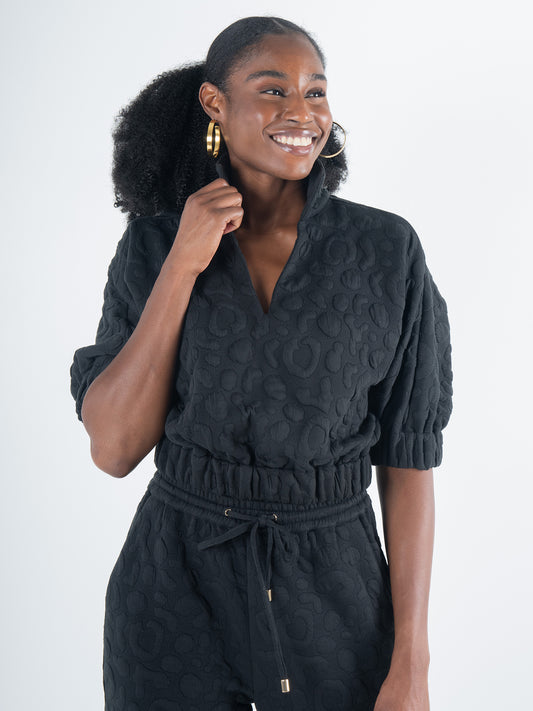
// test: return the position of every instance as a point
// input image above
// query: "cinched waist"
(199, 471)
(277, 520)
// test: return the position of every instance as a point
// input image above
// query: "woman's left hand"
(403, 690)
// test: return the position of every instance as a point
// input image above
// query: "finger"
(225, 200)
(233, 221)
(213, 185)
(219, 199)
(230, 227)
(214, 194)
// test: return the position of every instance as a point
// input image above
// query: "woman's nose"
(296, 108)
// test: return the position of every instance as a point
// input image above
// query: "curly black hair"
(159, 155)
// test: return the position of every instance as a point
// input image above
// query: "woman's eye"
(315, 93)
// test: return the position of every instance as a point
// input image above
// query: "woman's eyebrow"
(280, 75)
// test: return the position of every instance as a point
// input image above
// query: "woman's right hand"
(209, 213)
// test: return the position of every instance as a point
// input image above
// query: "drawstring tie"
(252, 524)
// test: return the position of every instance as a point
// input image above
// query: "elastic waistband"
(211, 477)
(245, 518)
(313, 515)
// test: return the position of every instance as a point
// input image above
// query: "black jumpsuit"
(253, 569)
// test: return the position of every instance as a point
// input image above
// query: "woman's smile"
(298, 142)
(275, 117)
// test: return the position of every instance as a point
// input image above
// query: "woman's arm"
(408, 507)
(125, 407)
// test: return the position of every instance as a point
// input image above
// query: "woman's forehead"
(274, 53)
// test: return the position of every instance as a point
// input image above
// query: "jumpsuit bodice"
(349, 368)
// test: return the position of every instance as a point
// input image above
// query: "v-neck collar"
(316, 199)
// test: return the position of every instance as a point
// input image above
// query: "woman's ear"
(212, 101)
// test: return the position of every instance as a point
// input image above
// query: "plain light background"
(437, 102)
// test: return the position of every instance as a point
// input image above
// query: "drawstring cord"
(252, 524)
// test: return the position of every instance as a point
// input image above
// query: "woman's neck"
(269, 203)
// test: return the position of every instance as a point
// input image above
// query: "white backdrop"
(438, 104)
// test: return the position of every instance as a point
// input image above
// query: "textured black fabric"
(186, 628)
(285, 412)
(350, 367)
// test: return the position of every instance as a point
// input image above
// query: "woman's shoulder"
(148, 236)
(363, 217)
(147, 227)
(144, 246)
(368, 222)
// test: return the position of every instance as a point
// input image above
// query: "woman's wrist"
(411, 653)
(177, 268)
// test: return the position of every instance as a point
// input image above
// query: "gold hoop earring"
(342, 147)
(213, 127)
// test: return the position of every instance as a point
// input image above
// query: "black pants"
(190, 624)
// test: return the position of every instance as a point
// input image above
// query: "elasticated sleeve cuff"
(413, 403)
(411, 450)
(115, 327)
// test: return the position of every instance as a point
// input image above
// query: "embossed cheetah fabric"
(281, 412)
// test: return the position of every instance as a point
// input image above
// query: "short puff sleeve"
(413, 403)
(118, 320)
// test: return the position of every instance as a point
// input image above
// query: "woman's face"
(275, 118)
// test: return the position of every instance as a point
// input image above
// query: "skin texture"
(125, 407)
(408, 509)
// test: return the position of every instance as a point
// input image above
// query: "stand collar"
(317, 194)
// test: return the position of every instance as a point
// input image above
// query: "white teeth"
(298, 141)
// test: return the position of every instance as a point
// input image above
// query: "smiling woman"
(281, 90)
(273, 342)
